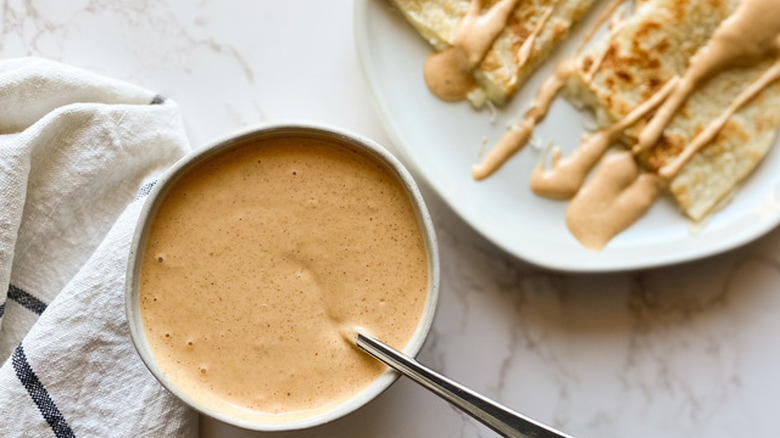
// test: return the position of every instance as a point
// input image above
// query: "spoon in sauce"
(501, 419)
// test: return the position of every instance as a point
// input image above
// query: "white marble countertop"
(686, 351)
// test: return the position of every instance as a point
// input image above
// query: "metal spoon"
(501, 419)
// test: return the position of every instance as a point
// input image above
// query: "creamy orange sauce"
(604, 208)
(260, 257)
(709, 132)
(565, 177)
(448, 73)
(526, 49)
(619, 193)
(748, 35)
(616, 197)
(517, 137)
(606, 14)
(615, 22)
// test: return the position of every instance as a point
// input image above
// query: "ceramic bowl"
(170, 177)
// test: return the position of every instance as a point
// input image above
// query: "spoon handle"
(495, 416)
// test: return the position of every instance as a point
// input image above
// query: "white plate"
(441, 141)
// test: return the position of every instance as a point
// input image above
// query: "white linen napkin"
(78, 152)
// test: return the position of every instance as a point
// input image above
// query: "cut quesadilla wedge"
(506, 64)
(637, 57)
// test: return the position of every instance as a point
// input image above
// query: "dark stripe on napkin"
(158, 100)
(2, 310)
(25, 299)
(39, 395)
